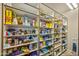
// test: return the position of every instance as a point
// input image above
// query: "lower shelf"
(43, 54)
(50, 54)
(61, 52)
(26, 53)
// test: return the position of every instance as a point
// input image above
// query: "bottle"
(10, 41)
(25, 18)
(16, 41)
(15, 21)
(30, 46)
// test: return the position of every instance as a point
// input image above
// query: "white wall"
(72, 28)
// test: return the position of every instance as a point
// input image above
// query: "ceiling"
(59, 7)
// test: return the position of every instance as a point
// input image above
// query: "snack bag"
(8, 16)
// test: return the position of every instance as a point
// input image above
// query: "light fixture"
(69, 5)
(74, 5)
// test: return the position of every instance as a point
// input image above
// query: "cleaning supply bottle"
(15, 21)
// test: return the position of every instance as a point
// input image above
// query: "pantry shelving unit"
(43, 38)
(33, 36)
(59, 40)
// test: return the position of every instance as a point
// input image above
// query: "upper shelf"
(25, 7)
(32, 10)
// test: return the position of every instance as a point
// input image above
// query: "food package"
(8, 16)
